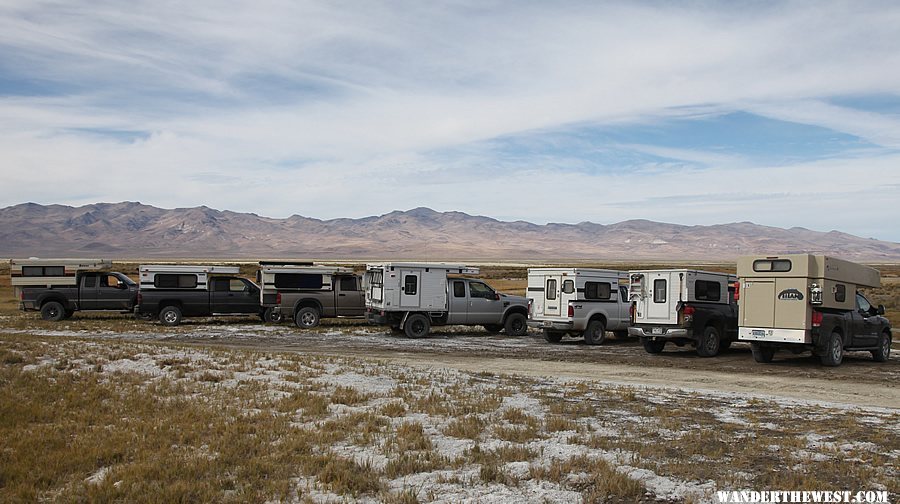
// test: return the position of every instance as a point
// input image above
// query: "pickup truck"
(94, 291)
(412, 297)
(224, 295)
(307, 294)
(684, 307)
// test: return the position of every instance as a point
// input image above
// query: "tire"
(595, 332)
(653, 346)
(516, 324)
(762, 354)
(307, 317)
(552, 336)
(417, 326)
(493, 328)
(834, 351)
(170, 316)
(53, 311)
(884, 348)
(272, 317)
(710, 342)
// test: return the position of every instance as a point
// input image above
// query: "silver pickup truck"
(578, 302)
(412, 297)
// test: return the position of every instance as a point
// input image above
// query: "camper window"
(410, 285)
(659, 290)
(568, 286)
(773, 265)
(459, 289)
(349, 283)
(38, 271)
(551, 289)
(840, 293)
(298, 281)
(171, 281)
(707, 291)
(597, 291)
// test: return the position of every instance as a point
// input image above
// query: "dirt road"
(859, 381)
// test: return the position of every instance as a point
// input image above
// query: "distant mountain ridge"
(133, 230)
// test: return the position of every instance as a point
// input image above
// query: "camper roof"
(578, 271)
(808, 266)
(309, 268)
(451, 268)
(69, 263)
(188, 268)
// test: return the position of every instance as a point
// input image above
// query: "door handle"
(341, 295)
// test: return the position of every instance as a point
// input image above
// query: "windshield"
(126, 280)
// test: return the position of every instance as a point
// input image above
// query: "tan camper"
(809, 302)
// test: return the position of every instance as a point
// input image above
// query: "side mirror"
(880, 309)
(496, 297)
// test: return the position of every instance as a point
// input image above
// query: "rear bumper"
(772, 335)
(552, 325)
(376, 318)
(661, 332)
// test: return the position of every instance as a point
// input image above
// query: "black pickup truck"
(224, 295)
(94, 291)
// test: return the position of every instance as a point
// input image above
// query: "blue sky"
(780, 113)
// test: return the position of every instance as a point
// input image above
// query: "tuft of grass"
(393, 409)
(348, 395)
(467, 427)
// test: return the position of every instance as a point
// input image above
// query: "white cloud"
(347, 109)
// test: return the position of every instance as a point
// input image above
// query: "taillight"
(530, 302)
(571, 311)
(816, 319)
(140, 297)
(631, 311)
(737, 291)
(689, 310)
(22, 295)
(278, 298)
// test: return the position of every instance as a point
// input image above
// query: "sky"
(780, 113)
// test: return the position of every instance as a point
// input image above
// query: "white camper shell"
(48, 273)
(658, 294)
(181, 277)
(410, 286)
(578, 301)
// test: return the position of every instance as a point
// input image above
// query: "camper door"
(662, 297)
(552, 291)
(410, 283)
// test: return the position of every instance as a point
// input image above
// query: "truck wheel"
(307, 318)
(417, 326)
(493, 328)
(708, 346)
(272, 317)
(53, 311)
(653, 346)
(763, 354)
(170, 316)
(884, 348)
(595, 332)
(552, 336)
(516, 325)
(834, 351)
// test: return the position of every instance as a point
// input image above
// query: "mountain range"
(133, 230)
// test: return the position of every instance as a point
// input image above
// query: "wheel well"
(169, 302)
(598, 316)
(718, 324)
(59, 299)
(308, 303)
(517, 309)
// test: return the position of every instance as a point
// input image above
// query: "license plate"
(656, 330)
(758, 333)
(547, 323)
